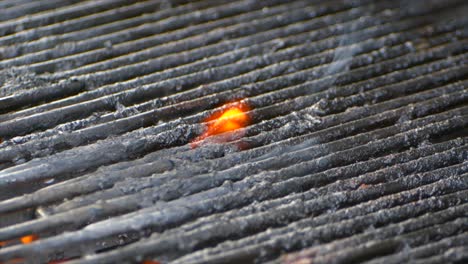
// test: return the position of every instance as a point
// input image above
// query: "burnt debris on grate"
(356, 149)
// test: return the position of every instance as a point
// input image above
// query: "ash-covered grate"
(352, 147)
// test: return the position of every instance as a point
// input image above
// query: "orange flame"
(25, 240)
(231, 117)
(29, 239)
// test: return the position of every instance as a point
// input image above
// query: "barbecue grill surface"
(355, 149)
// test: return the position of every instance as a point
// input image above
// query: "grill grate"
(357, 150)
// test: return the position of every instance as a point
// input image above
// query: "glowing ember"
(150, 262)
(57, 261)
(29, 239)
(233, 116)
(25, 240)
